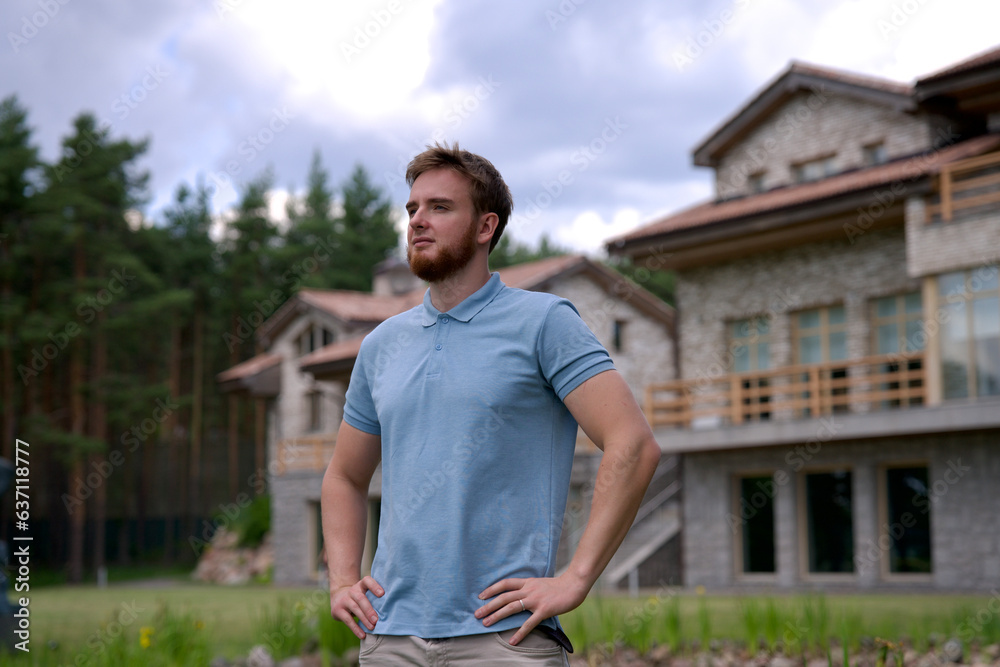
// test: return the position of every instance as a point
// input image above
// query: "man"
(471, 402)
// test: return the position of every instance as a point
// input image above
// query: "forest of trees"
(115, 326)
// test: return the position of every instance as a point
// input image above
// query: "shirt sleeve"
(359, 406)
(568, 351)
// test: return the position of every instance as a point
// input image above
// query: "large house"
(311, 344)
(837, 410)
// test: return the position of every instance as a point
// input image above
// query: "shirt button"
(438, 346)
(444, 320)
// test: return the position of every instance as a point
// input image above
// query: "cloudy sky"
(588, 108)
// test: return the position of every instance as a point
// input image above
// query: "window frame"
(882, 496)
(735, 495)
(802, 522)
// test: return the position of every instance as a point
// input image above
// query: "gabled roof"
(348, 306)
(980, 60)
(971, 86)
(797, 78)
(259, 375)
(805, 195)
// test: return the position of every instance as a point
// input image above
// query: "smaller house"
(312, 341)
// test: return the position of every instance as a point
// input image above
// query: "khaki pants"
(487, 649)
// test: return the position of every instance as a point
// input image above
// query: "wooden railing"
(307, 452)
(794, 392)
(967, 184)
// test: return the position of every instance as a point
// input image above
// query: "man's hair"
(486, 186)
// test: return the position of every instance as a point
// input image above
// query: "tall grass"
(807, 625)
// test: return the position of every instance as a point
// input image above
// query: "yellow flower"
(198, 625)
(699, 589)
(144, 636)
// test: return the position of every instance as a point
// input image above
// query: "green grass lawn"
(81, 619)
(228, 621)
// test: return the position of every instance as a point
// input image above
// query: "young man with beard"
(471, 402)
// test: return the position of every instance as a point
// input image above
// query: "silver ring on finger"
(522, 605)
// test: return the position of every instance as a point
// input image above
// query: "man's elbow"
(649, 455)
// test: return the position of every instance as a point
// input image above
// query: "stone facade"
(941, 247)
(778, 283)
(965, 526)
(814, 125)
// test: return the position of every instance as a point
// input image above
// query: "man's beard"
(449, 260)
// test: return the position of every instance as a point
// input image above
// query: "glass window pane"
(913, 303)
(810, 350)
(741, 328)
(984, 279)
(986, 331)
(915, 340)
(886, 306)
(830, 522)
(986, 318)
(951, 283)
(809, 319)
(888, 339)
(909, 528)
(763, 356)
(988, 368)
(741, 359)
(837, 315)
(838, 345)
(763, 326)
(757, 511)
(954, 351)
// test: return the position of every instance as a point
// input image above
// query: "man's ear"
(487, 225)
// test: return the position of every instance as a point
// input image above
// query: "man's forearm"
(345, 519)
(622, 479)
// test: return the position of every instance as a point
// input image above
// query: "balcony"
(793, 392)
(309, 453)
(966, 187)
(873, 397)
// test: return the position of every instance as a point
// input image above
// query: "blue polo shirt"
(477, 449)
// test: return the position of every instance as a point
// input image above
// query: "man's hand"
(544, 598)
(350, 602)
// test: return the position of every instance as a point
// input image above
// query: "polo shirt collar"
(469, 308)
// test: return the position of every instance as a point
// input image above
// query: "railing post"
(815, 399)
(946, 193)
(735, 400)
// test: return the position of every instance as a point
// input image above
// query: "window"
(755, 508)
(617, 335)
(874, 154)
(813, 170)
(306, 342)
(829, 522)
(820, 336)
(750, 343)
(970, 333)
(315, 410)
(314, 338)
(907, 526)
(896, 328)
(755, 182)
